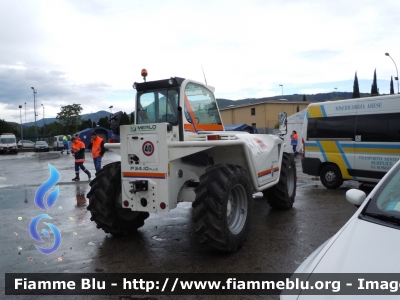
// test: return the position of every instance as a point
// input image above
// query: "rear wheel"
(282, 194)
(331, 177)
(105, 203)
(222, 209)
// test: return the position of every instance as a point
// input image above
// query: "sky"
(90, 52)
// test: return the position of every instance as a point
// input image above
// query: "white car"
(25, 144)
(368, 243)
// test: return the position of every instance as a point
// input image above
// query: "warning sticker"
(148, 148)
(260, 143)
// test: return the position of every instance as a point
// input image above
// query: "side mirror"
(355, 196)
(115, 121)
(282, 121)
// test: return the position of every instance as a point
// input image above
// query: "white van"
(8, 143)
(355, 139)
(58, 142)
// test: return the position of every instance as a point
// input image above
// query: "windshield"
(385, 204)
(158, 106)
(200, 105)
(7, 140)
(41, 143)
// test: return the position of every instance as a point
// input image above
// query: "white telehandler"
(176, 151)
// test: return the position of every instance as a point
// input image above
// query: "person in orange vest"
(78, 150)
(97, 147)
(294, 137)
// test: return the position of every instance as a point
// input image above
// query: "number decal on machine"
(148, 148)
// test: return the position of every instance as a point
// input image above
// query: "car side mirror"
(115, 121)
(355, 196)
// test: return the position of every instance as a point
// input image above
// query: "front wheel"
(331, 177)
(105, 203)
(282, 194)
(222, 209)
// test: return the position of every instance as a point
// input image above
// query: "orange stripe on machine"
(269, 171)
(144, 175)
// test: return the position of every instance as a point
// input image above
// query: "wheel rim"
(290, 181)
(124, 213)
(237, 209)
(330, 176)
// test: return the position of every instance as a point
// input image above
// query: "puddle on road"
(155, 237)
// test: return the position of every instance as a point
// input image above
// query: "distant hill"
(93, 116)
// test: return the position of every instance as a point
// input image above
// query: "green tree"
(94, 124)
(6, 127)
(132, 117)
(85, 124)
(125, 120)
(298, 108)
(356, 90)
(70, 117)
(54, 128)
(304, 98)
(103, 122)
(391, 86)
(374, 87)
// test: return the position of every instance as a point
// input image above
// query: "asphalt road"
(278, 242)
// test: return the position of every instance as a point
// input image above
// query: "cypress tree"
(374, 87)
(356, 90)
(304, 98)
(391, 86)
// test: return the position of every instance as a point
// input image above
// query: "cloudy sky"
(91, 51)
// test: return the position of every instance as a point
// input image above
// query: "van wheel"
(331, 177)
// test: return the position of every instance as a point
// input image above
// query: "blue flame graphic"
(36, 237)
(40, 202)
(45, 187)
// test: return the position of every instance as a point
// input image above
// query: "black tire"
(331, 177)
(282, 194)
(222, 208)
(105, 203)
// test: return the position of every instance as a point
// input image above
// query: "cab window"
(158, 107)
(200, 104)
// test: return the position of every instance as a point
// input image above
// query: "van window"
(341, 127)
(379, 127)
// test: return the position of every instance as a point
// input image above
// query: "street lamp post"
(282, 94)
(22, 133)
(44, 125)
(25, 112)
(111, 109)
(396, 78)
(34, 109)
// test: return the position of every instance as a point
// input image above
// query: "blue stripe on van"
(343, 155)
(322, 151)
(387, 146)
(323, 111)
(307, 115)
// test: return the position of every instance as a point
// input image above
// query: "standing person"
(294, 137)
(97, 147)
(65, 143)
(78, 150)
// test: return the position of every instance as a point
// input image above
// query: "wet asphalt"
(278, 241)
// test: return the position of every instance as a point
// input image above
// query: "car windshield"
(41, 143)
(7, 140)
(385, 203)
